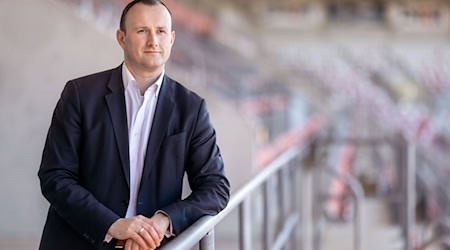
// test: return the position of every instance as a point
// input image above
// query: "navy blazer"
(85, 173)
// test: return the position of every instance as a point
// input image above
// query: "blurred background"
(359, 78)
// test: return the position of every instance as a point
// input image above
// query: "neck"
(144, 79)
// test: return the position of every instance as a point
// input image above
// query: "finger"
(155, 226)
(153, 233)
(139, 240)
(151, 242)
(152, 230)
(135, 246)
(128, 244)
(157, 231)
(161, 235)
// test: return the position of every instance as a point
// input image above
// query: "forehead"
(142, 14)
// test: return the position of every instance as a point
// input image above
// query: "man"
(120, 142)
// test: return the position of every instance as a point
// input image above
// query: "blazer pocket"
(176, 138)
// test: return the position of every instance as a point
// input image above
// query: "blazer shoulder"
(100, 78)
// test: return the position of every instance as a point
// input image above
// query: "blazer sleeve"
(60, 168)
(205, 170)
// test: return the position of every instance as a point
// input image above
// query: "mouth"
(151, 52)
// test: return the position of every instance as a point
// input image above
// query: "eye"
(142, 31)
(162, 31)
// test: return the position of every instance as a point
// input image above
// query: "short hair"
(146, 2)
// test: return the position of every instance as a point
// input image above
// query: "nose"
(152, 40)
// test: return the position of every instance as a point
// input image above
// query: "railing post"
(245, 225)
(358, 230)
(406, 151)
(207, 243)
(286, 197)
(296, 198)
(285, 182)
(410, 193)
(268, 225)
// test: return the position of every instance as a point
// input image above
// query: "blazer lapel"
(117, 110)
(160, 124)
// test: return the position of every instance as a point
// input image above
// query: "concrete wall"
(42, 45)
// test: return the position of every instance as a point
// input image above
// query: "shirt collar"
(128, 78)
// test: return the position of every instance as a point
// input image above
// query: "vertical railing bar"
(313, 181)
(207, 242)
(245, 225)
(291, 172)
(268, 225)
(295, 187)
(285, 194)
(400, 146)
(410, 193)
(316, 183)
(357, 229)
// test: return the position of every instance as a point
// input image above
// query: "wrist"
(113, 228)
(163, 220)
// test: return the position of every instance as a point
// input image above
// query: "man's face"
(148, 38)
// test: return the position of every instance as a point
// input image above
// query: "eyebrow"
(145, 27)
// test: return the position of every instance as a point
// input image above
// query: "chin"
(153, 67)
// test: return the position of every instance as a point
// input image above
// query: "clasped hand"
(140, 232)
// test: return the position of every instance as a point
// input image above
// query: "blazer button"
(125, 202)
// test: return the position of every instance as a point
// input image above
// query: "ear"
(172, 40)
(120, 35)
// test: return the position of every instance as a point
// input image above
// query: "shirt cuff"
(169, 233)
(108, 238)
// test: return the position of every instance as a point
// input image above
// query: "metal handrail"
(197, 231)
